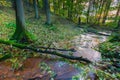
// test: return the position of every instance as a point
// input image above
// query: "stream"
(86, 43)
(85, 46)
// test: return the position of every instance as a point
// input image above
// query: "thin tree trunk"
(47, 12)
(63, 7)
(102, 6)
(106, 11)
(36, 9)
(118, 26)
(117, 13)
(88, 11)
(79, 21)
(70, 8)
(54, 6)
(59, 7)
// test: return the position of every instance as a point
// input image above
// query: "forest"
(59, 39)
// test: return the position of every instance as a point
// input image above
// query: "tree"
(117, 13)
(108, 3)
(70, 8)
(36, 9)
(101, 7)
(47, 11)
(118, 26)
(88, 11)
(21, 33)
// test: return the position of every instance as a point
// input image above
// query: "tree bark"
(101, 10)
(118, 26)
(47, 12)
(88, 11)
(54, 6)
(21, 34)
(106, 11)
(117, 13)
(36, 9)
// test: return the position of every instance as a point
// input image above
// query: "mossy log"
(52, 52)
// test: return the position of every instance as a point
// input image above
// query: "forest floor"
(28, 65)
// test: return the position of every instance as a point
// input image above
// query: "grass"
(45, 35)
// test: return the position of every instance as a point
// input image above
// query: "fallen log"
(47, 48)
(24, 46)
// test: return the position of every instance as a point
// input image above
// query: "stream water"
(84, 45)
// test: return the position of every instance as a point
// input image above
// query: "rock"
(92, 76)
(88, 40)
(63, 70)
(88, 53)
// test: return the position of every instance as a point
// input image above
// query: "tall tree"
(47, 11)
(88, 11)
(101, 7)
(108, 3)
(21, 33)
(118, 26)
(70, 8)
(36, 8)
(118, 12)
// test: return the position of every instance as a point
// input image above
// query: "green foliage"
(111, 50)
(111, 53)
(4, 56)
(52, 28)
(5, 3)
(115, 37)
(11, 25)
(46, 69)
(48, 35)
(17, 59)
(16, 65)
(102, 75)
(31, 36)
(111, 25)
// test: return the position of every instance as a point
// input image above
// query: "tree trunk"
(63, 8)
(79, 21)
(21, 34)
(106, 11)
(59, 7)
(118, 26)
(88, 11)
(101, 10)
(117, 13)
(47, 12)
(70, 8)
(54, 6)
(36, 9)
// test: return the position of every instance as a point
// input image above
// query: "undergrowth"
(111, 56)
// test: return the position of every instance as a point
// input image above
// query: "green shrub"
(110, 50)
(10, 24)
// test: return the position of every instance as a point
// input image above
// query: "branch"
(47, 48)
(23, 46)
